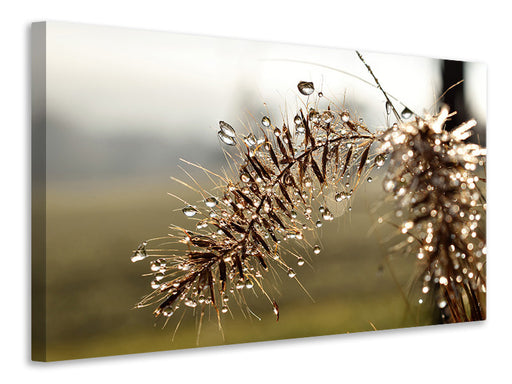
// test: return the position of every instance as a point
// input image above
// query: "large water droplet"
(211, 202)
(300, 261)
(265, 121)
(306, 87)
(406, 113)
(226, 139)
(189, 211)
(226, 129)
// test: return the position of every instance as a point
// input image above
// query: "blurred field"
(92, 286)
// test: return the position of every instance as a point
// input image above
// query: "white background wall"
(467, 353)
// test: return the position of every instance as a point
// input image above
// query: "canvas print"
(192, 191)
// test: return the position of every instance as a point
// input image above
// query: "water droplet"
(291, 273)
(320, 94)
(265, 121)
(321, 209)
(327, 215)
(240, 284)
(168, 311)
(314, 116)
(318, 223)
(441, 303)
(190, 303)
(388, 107)
(189, 211)
(138, 256)
(225, 299)
(226, 139)
(224, 309)
(389, 185)
(316, 249)
(211, 202)
(277, 132)
(308, 182)
(379, 160)
(297, 120)
(406, 113)
(226, 129)
(345, 117)
(306, 87)
(155, 284)
(327, 117)
(369, 179)
(300, 261)
(248, 284)
(159, 276)
(300, 129)
(250, 140)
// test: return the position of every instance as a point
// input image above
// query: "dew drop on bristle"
(369, 179)
(406, 113)
(306, 87)
(314, 116)
(388, 107)
(265, 121)
(224, 309)
(138, 256)
(250, 140)
(189, 211)
(318, 224)
(291, 273)
(297, 119)
(345, 117)
(211, 202)
(327, 215)
(300, 261)
(379, 160)
(316, 249)
(327, 117)
(226, 139)
(300, 129)
(226, 129)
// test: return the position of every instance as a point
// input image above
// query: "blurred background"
(123, 106)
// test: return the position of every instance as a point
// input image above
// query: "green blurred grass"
(92, 286)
